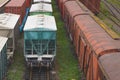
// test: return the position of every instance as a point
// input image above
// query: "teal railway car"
(41, 8)
(3, 57)
(40, 40)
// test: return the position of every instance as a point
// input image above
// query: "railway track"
(42, 73)
(112, 9)
(39, 73)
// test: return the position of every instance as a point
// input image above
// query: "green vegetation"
(67, 64)
(106, 15)
(115, 2)
(16, 70)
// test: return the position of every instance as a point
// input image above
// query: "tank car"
(40, 40)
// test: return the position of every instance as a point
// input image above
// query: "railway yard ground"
(66, 63)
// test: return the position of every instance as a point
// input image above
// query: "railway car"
(41, 8)
(3, 57)
(110, 66)
(16, 7)
(9, 27)
(40, 40)
(94, 47)
(71, 10)
(93, 42)
(42, 1)
(61, 6)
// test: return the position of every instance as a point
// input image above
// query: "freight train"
(39, 39)
(97, 51)
(37, 50)
(11, 17)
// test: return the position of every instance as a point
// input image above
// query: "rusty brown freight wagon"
(72, 9)
(16, 7)
(61, 5)
(93, 42)
(110, 65)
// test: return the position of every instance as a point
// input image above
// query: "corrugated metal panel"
(40, 22)
(110, 65)
(100, 41)
(41, 7)
(3, 41)
(16, 7)
(74, 9)
(3, 2)
(8, 20)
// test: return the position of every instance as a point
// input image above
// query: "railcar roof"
(3, 41)
(41, 7)
(74, 8)
(110, 64)
(15, 3)
(3, 2)
(40, 21)
(49, 1)
(8, 20)
(99, 40)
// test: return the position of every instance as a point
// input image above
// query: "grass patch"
(106, 15)
(115, 2)
(16, 70)
(67, 64)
